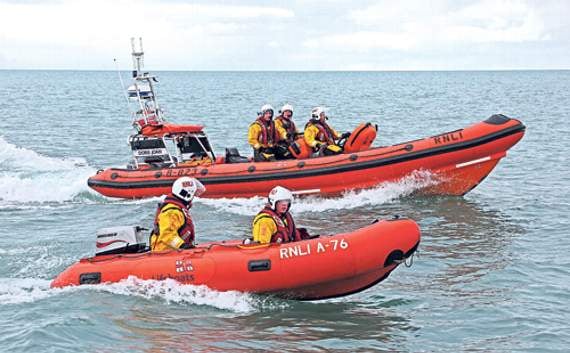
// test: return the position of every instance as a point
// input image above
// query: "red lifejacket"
(289, 126)
(186, 231)
(286, 230)
(269, 134)
(325, 132)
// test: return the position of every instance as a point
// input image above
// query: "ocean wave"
(29, 177)
(23, 290)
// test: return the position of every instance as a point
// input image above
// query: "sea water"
(493, 269)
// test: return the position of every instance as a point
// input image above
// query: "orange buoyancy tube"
(300, 149)
(286, 231)
(361, 138)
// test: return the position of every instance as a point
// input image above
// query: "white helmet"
(279, 193)
(317, 111)
(265, 108)
(288, 107)
(186, 188)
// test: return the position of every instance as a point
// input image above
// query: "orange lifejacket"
(289, 126)
(325, 132)
(286, 231)
(269, 134)
(186, 231)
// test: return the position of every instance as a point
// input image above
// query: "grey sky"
(287, 35)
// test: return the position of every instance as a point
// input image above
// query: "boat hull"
(324, 267)
(459, 160)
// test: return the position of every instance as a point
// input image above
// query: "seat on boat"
(233, 156)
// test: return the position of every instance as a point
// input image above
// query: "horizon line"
(292, 71)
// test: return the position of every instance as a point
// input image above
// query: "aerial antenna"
(122, 85)
(138, 57)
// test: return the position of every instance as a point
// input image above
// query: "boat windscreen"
(190, 144)
(147, 144)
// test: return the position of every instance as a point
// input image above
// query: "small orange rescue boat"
(318, 268)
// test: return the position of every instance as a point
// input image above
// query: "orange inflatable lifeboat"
(459, 159)
(318, 268)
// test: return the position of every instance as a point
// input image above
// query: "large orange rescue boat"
(318, 268)
(460, 159)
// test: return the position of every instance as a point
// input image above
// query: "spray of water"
(383, 193)
(15, 291)
(29, 177)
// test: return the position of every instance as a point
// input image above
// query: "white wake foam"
(175, 292)
(23, 290)
(27, 176)
(28, 290)
(384, 192)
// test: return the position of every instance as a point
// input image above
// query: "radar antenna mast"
(142, 89)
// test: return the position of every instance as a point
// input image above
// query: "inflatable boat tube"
(318, 268)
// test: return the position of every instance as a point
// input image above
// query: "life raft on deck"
(318, 268)
(460, 159)
(167, 128)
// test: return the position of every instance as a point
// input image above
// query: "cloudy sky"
(287, 35)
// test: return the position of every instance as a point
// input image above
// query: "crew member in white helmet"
(263, 135)
(320, 135)
(173, 226)
(274, 223)
(287, 132)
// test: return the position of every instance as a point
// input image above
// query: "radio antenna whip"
(123, 85)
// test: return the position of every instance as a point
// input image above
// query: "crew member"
(287, 132)
(263, 135)
(274, 223)
(173, 226)
(285, 125)
(320, 136)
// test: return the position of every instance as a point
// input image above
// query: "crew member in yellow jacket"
(320, 136)
(173, 226)
(274, 223)
(287, 132)
(263, 135)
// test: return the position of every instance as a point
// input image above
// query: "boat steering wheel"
(342, 141)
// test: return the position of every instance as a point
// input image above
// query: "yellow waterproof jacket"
(170, 220)
(282, 130)
(256, 138)
(313, 135)
(264, 227)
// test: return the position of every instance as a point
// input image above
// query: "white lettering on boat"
(305, 249)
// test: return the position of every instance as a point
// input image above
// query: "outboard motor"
(121, 240)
